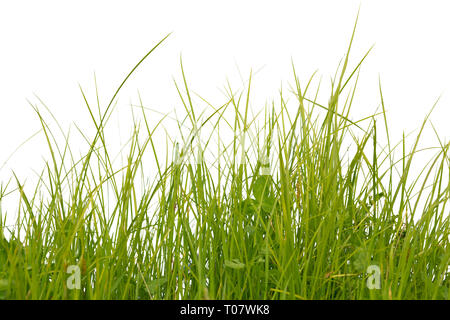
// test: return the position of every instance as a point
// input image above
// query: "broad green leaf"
(234, 264)
(155, 284)
(261, 187)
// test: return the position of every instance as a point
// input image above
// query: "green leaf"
(261, 188)
(155, 284)
(234, 264)
(268, 203)
(248, 207)
(360, 260)
(4, 285)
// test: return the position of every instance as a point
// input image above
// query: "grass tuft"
(301, 203)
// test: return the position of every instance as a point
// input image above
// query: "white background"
(47, 48)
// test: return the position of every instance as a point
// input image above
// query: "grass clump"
(304, 211)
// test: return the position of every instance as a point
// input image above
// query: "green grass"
(336, 201)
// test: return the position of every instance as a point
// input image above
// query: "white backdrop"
(47, 48)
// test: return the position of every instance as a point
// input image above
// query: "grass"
(304, 210)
